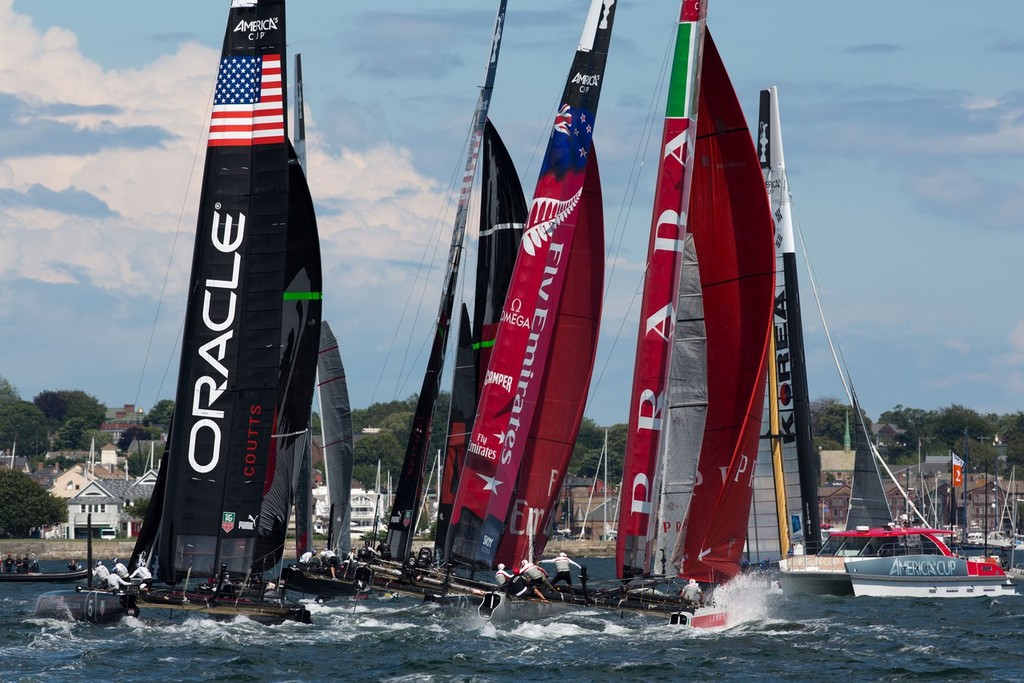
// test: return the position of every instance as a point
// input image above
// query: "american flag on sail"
(248, 104)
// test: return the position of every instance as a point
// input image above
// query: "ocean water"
(771, 636)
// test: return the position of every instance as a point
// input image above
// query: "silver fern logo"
(546, 215)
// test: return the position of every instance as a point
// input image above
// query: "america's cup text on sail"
(226, 238)
(256, 29)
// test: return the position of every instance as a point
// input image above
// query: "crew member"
(562, 563)
(502, 576)
(120, 569)
(693, 594)
(100, 573)
(536, 577)
(115, 582)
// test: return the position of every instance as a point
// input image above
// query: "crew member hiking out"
(562, 563)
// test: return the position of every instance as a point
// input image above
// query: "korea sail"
(515, 373)
(409, 491)
(784, 510)
(732, 229)
(647, 410)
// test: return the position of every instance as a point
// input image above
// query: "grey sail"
(687, 413)
(868, 504)
(338, 452)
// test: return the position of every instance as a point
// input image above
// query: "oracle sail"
(634, 547)
(244, 382)
(732, 229)
(338, 448)
(409, 490)
(515, 374)
(502, 218)
(784, 510)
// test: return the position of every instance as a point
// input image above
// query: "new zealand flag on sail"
(570, 142)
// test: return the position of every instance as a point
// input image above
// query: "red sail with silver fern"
(565, 383)
(654, 346)
(513, 381)
(733, 231)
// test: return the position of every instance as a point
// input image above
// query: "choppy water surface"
(772, 637)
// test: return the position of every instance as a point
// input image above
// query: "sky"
(904, 140)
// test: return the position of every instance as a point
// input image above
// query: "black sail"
(239, 354)
(502, 218)
(301, 305)
(336, 417)
(868, 504)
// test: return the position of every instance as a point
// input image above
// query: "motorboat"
(893, 560)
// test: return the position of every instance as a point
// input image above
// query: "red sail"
(511, 389)
(566, 381)
(657, 312)
(732, 228)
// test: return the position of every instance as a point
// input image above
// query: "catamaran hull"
(40, 577)
(916, 587)
(702, 617)
(260, 611)
(816, 582)
(498, 607)
(324, 587)
(96, 607)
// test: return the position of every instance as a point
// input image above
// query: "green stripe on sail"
(486, 344)
(679, 82)
(303, 296)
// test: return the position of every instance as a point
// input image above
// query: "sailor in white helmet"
(693, 594)
(562, 563)
(502, 576)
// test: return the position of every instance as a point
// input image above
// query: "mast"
(410, 484)
(661, 281)
(510, 395)
(793, 396)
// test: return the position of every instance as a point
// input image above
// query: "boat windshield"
(879, 546)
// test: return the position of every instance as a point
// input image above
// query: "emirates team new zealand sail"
(252, 326)
(512, 384)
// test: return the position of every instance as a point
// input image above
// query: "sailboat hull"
(96, 607)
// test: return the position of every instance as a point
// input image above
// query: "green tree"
(73, 435)
(23, 423)
(948, 424)
(61, 406)
(160, 415)
(370, 449)
(138, 509)
(26, 506)
(8, 393)
(133, 434)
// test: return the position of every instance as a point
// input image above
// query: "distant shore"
(61, 549)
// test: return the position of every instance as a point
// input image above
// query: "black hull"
(45, 577)
(323, 586)
(224, 607)
(96, 607)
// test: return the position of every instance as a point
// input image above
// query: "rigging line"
(201, 139)
(840, 361)
(624, 211)
(401, 317)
